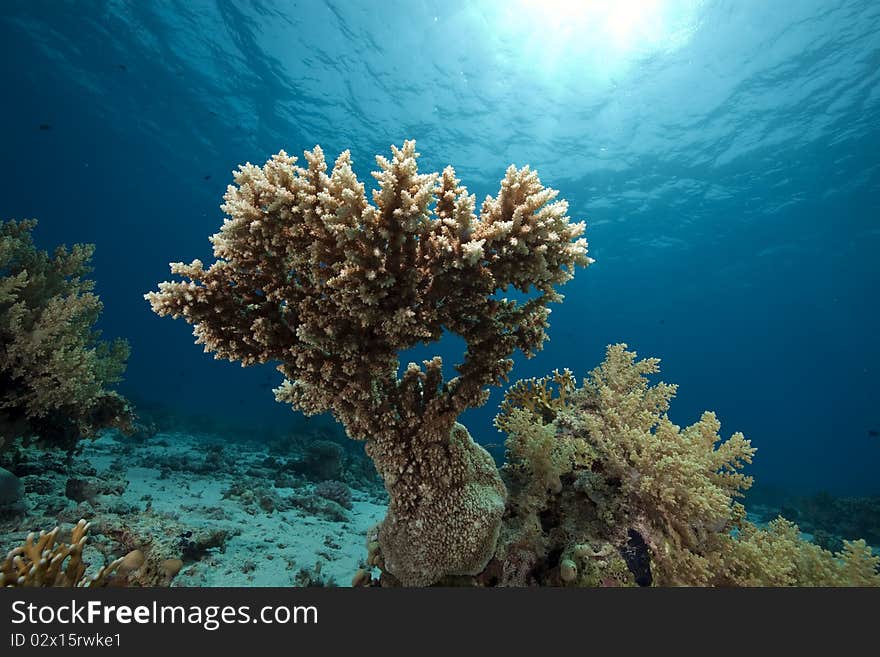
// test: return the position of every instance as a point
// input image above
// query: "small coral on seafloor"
(44, 561)
(605, 490)
(323, 460)
(55, 372)
(336, 491)
(312, 275)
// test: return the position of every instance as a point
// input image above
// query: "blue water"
(725, 154)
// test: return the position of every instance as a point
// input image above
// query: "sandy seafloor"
(234, 520)
(234, 513)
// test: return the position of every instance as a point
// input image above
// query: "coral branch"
(44, 561)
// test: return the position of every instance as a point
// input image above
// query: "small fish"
(207, 177)
(45, 126)
(874, 433)
(122, 67)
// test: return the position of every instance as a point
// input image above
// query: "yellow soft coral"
(679, 484)
(312, 275)
(55, 373)
(600, 473)
(777, 555)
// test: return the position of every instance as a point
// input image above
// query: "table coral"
(56, 374)
(312, 275)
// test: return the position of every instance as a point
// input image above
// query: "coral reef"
(600, 488)
(604, 490)
(311, 275)
(56, 373)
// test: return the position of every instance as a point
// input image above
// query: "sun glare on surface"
(603, 36)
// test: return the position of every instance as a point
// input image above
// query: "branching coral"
(537, 397)
(55, 372)
(45, 561)
(600, 478)
(312, 275)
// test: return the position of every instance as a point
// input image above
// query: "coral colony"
(599, 487)
(55, 373)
